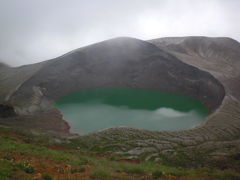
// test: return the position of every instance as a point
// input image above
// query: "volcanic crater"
(200, 67)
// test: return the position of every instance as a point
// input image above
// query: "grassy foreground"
(41, 157)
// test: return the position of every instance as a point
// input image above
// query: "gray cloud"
(32, 31)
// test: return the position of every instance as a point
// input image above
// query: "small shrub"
(157, 174)
(28, 168)
(101, 174)
(47, 177)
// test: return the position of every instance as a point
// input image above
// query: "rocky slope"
(120, 62)
(219, 56)
(200, 67)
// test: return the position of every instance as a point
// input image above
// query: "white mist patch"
(168, 112)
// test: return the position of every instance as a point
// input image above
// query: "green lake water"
(97, 109)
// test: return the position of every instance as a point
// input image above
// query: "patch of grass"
(101, 173)
(6, 170)
(29, 149)
(187, 159)
(226, 174)
(106, 167)
(143, 168)
(134, 170)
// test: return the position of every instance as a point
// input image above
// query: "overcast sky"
(37, 30)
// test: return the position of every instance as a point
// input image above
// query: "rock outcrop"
(6, 111)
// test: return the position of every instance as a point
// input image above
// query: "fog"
(33, 31)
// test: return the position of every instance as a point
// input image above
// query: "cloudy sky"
(37, 30)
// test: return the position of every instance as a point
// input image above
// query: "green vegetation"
(6, 170)
(157, 174)
(23, 160)
(100, 173)
(192, 158)
(25, 166)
